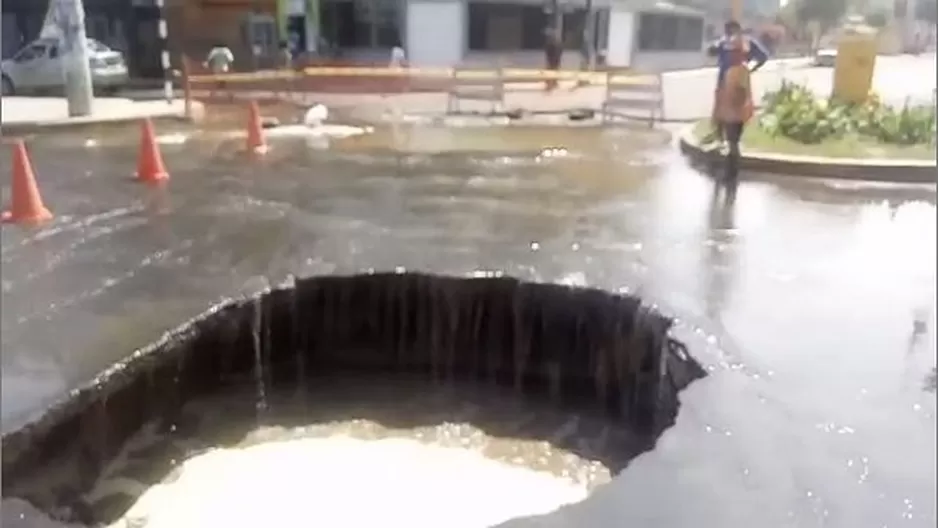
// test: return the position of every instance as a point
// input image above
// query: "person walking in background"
(553, 50)
(219, 59)
(400, 83)
(398, 57)
(725, 53)
(285, 55)
(734, 105)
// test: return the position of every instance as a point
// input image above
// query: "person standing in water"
(723, 51)
(734, 106)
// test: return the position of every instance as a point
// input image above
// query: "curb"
(871, 170)
(70, 125)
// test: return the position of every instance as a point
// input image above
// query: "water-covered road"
(800, 296)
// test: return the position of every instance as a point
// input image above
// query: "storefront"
(652, 36)
(298, 24)
(350, 30)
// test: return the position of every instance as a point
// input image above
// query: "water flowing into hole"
(579, 380)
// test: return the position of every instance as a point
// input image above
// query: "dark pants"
(554, 56)
(733, 133)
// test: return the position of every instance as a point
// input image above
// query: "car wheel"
(7, 86)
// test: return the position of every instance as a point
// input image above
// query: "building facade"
(644, 36)
(639, 34)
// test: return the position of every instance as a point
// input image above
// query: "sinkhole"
(490, 383)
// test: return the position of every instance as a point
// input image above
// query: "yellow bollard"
(853, 69)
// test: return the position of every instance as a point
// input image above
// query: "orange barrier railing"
(357, 79)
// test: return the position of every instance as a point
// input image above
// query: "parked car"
(825, 58)
(38, 66)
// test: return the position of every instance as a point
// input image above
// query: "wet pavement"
(800, 296)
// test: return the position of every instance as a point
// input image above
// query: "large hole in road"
(570, 382)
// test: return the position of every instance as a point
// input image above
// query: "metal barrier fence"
(643, 95)
(458, 83)
(469, 87)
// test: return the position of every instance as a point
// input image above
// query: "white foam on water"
(177, 138)
(342, 481)
(333, 131)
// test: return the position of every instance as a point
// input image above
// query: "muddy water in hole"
(801, 297)
(425, 452)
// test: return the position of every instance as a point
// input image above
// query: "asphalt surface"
(801, 297)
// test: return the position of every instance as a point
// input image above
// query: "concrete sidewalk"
(27, 114)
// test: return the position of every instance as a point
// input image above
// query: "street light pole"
(74, 44)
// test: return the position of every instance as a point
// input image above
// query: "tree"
(877, 19)
(826, 14)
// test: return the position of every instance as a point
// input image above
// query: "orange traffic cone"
(150, 168)
(27, 206)
(255, 142)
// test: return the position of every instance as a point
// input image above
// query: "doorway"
(296, 34)
(145, 46)
(260, 39)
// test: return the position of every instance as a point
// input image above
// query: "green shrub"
(794, 112)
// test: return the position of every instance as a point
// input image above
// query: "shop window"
(505, 27)
(362, 23)
(660, 32)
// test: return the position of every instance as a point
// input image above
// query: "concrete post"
(163, 32)
(78, 87)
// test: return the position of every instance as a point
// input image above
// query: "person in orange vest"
(734, 106)
(722, 50)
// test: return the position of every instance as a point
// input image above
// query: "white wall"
(664, 61)
(621, 37)
(435, 32)
(296, 7)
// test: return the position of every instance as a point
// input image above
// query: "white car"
(825, 58)
(38, 66)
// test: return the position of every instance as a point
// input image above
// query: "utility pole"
(74, 51)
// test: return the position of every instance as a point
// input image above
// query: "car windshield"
(94, 45)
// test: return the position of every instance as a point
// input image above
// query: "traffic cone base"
(27, 206)
(150, 168)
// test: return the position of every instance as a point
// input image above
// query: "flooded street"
(801, 297)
